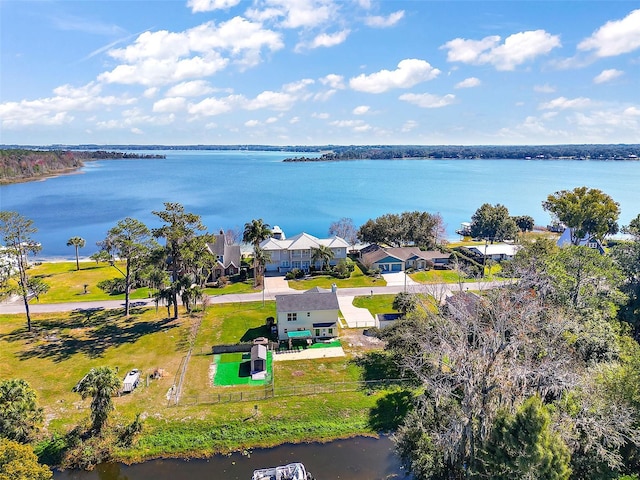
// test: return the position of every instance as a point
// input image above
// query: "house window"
(292, 317)
(331, 331)
(285, 263)
(295, 264)
(308, 314)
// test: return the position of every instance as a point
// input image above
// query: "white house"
(496, 252)
(296, 252)
(587, 241)
(312, 314)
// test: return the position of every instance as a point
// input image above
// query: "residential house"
(297, 251)
(398, 259)
(587, 241)
(312, 314)
(496, 252)
(228, 257)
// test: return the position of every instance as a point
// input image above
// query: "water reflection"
(352, 459)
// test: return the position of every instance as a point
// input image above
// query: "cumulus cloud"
(194, 88)
(329, 40)
(409, 125)
(607, 75)
(333, 80)
(251, 123)
(214, 106)
(427, 100)
(361, 110)
(355, 125)
(562, 103)
(468, 83)
(210, 5)
(384, 22)
(321, 115)
(515, 50)
(167, 105)
(294, 14)
(615, 37)
(159, 58)
(410, 72)
(56, 110)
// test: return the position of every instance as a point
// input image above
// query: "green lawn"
(376, 304)
(358, 279)
(63, 347)
(233, 288)
(438, 276)
(235, 369)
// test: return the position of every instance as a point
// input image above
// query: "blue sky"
(314, 72)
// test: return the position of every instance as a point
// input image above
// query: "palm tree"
(260, 257)
(101, 384)
(77, 242)
(255, 232)
(322, 254)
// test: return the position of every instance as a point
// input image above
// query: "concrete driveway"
(355, 317)
(397, 279)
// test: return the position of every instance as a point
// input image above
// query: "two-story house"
(312, 314)
(228, 257)
(297, 251)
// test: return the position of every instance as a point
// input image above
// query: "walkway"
(355, 317)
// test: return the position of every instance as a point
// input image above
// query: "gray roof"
(230, 254)
(308, 301)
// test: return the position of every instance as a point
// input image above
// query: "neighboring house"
(462, 304)
(228, 257)
(398, 259)
(496, 252)
(588, 241)
(312, 314)
(296, 252)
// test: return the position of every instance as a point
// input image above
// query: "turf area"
(235, 369)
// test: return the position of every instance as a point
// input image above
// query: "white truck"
(131, 381)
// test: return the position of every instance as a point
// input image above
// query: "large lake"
(229, 188)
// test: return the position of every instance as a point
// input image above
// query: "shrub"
(294, 273)
(114, 286)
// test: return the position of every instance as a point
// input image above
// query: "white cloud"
(468, 83)
(410, 72)
(159, 58)
(194, 88)
(409, 125)
(333, 80)
(296, 13)
(384, 22)
(615, 37)
(546, 88)
(321, 116)
(355, 125)
(271, 120)
(273, 100)
(329, 40)
(214, 106)
(57, 110)
(427, 100)
(607, 75)
(294, 120)
(171, 104)
(361, 110)
(137, 131)
(632, 112)
(251, 123)
(562, 103)
(150, 92)
(210, 5)
(515, 50)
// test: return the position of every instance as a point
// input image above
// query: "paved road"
(438, 290)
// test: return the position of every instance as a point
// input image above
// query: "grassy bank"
(63, 347)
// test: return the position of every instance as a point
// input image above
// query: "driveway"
(397, 279)
(355, 317)
(276, 284)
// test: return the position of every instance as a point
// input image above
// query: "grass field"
(63, 347)
(376, 304)
(358, 279)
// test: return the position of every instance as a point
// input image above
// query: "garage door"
(396, 267)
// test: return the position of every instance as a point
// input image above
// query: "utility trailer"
(131, 381)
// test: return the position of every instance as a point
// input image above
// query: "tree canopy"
(77, 243)
(19, 411)
(492, 222)
(18, 462)
(586, 211)
(100, 384)
(408, 228)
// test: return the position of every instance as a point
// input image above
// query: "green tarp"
(299, 334)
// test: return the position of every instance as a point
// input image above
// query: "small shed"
(258, 362)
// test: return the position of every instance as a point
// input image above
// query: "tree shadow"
(96, 330)
(253, 333)
(390, 411)
(244, 369)
(377, 365)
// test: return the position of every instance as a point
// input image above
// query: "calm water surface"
(352, 459)
(230, 188)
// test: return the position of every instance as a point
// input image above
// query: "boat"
(292, 471)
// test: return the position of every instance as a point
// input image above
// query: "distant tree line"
(19, 164)
(547, 152)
